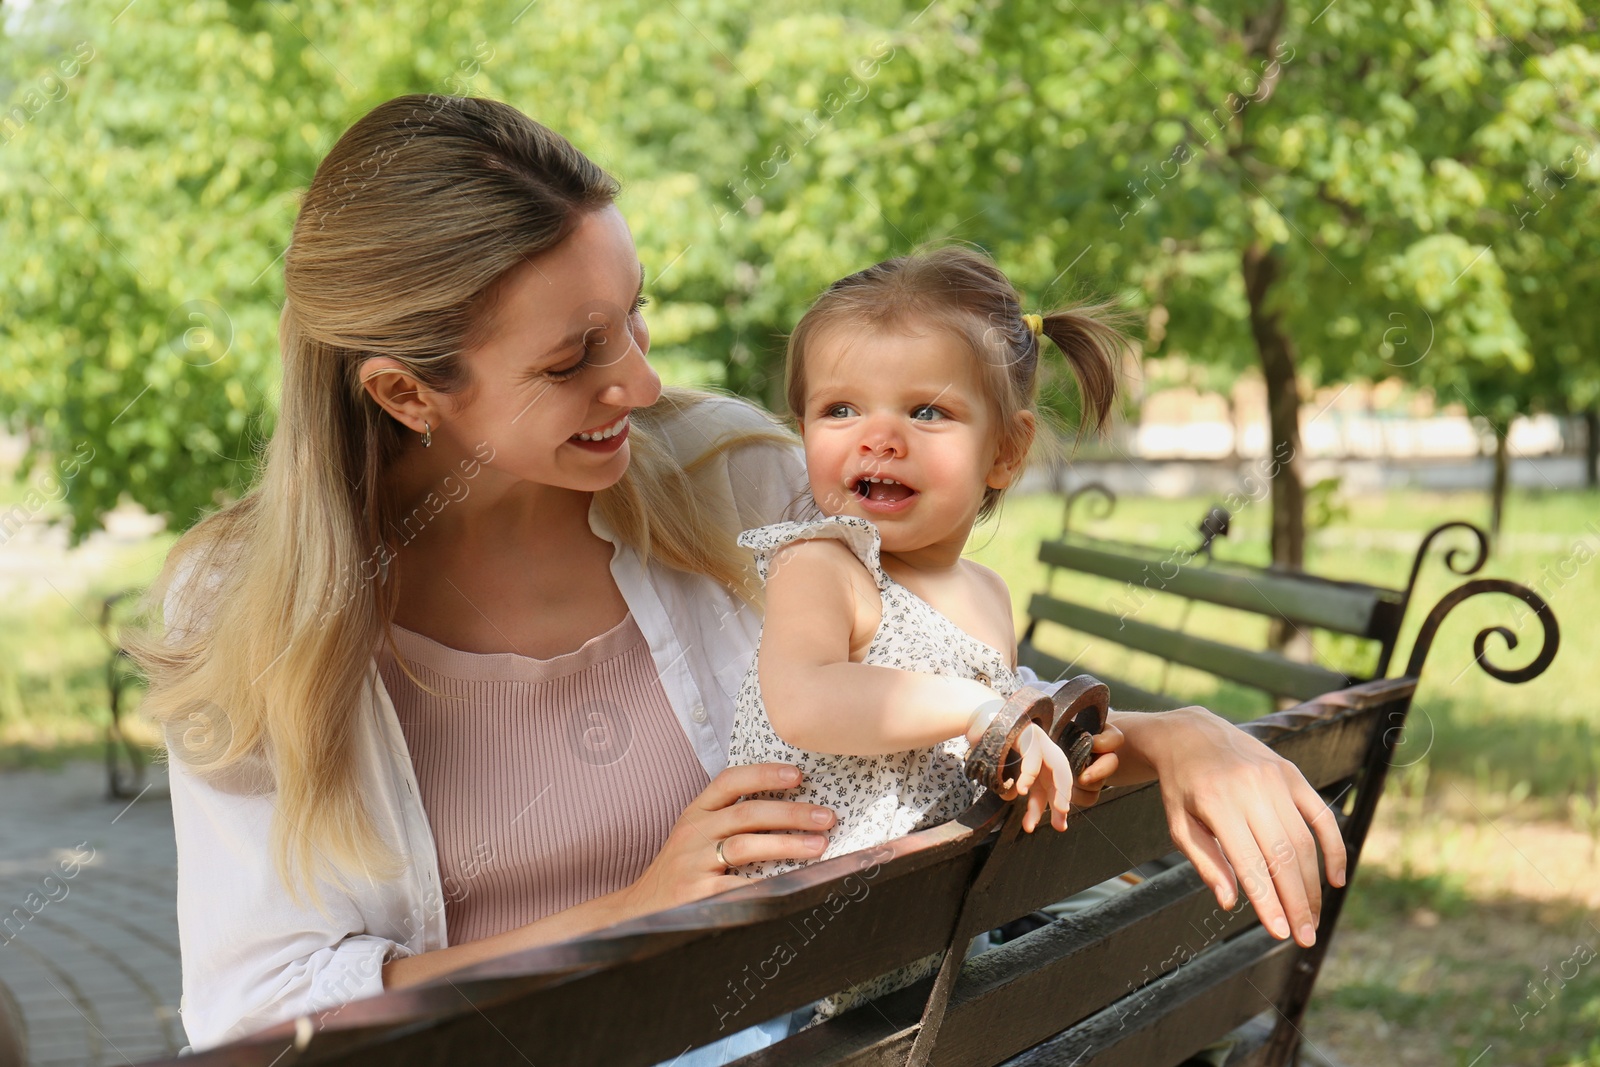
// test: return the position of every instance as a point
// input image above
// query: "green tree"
(152, 163)
(1270, 184)
(1273, 181)
(143, 209)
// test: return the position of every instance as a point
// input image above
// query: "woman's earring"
(427, 433)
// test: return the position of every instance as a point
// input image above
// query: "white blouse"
(252, 957)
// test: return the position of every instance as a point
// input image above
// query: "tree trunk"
(1261, 268)
(1497, 492)
(1233, 429)
(1591, 446)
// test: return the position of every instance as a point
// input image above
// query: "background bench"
(1146, 978)
(1139, 576)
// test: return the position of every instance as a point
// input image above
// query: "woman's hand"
(1237, 808)
(1096, 776)
(688, 868)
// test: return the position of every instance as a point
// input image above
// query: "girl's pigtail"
(1090, 337)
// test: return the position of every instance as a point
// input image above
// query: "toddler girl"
(883, 652)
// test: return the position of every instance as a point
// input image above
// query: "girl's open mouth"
(883, 495)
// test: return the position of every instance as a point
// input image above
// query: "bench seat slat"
(1339, 606)
(1264, 670)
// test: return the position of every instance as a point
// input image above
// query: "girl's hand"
(1235, 807)
(1045, 779)
(687, 868)
(1040, 760)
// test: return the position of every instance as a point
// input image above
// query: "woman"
(456, 678)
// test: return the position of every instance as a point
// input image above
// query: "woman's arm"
(686, 869)
(1243, 814)
(576, 921)
(252, 955)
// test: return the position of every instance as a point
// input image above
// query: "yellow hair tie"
(1034, 323)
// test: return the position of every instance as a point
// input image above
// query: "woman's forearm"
(575, 921)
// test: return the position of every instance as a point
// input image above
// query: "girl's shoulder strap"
(859, 536)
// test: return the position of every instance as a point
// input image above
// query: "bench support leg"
(955, 953)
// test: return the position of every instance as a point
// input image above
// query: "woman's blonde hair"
(961, 290)
(282, 598)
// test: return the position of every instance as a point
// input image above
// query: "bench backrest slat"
(1205, 999)
(1364, 611)
(1128, 697)
(1264, 670)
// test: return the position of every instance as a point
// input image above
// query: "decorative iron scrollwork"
(1514, 675)
(1451, 557)
(1108, 501)
(1451, 553)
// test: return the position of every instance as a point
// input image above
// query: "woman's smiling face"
(563, 364)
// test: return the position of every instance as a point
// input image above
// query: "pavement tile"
(79, 944)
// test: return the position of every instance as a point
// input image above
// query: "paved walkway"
(90, 951)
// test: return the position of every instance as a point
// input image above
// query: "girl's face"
(564, 364)
(897, 431)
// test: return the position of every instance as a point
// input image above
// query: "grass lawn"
(53, 656)
(1477, 892)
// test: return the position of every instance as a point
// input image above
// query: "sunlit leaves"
(1435, 162)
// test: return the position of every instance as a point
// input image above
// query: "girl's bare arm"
(815, 697)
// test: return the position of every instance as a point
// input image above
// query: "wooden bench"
(125, 759)
(1148, 977)
(1139, 576)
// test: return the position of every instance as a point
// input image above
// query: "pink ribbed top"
(546, 782)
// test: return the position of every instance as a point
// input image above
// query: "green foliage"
(1323, 507)
(1424, 172)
